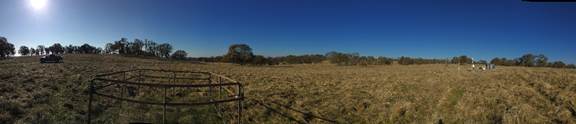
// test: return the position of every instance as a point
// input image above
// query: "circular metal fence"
(166, 88)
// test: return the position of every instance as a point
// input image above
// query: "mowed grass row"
(346, 94)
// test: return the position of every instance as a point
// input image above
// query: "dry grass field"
(31, 92)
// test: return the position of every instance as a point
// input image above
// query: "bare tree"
(150, 47)
(136, 47)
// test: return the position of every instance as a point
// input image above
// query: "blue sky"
(482, 29)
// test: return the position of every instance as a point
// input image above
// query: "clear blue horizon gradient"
(416, 28)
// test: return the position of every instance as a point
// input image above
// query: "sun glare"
(38, 4)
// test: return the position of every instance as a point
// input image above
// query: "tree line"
(139, 47)
(57, 48)
(123, 47)
(531, 60)
(147, 48)
(340, 58)
(242, 54)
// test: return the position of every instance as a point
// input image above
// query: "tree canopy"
(56, 48)
(530, 60)
(24, 50)
(6, 48)
(179, 55)
(239, 53)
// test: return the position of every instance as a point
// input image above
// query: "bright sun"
(38, 4)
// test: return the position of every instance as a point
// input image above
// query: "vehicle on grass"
(52, 58)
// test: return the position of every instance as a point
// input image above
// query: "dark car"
(51, 59)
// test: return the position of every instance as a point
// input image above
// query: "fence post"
(173, 91)
(173, 77)
(217, 105)
(241, 96)
(140, 80)
(91, 91)
(164, 114)
(123, 88)
(140, 76)
(164, 120)
(221, 88)
(210, 87)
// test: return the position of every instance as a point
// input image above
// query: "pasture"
(31, 92)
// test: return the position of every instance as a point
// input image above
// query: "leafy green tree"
(120, 46)
(24, 51)
(108, 48)
(57, 48)
(239, 53)
(136, 47)
(179, 55)
(88, 49)
(164, 50)
(150, 47)
(41, 49)
(70, 49)
(541, 60)
(6, 48)
(32, 51)
(527, 60)
(47, 50)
